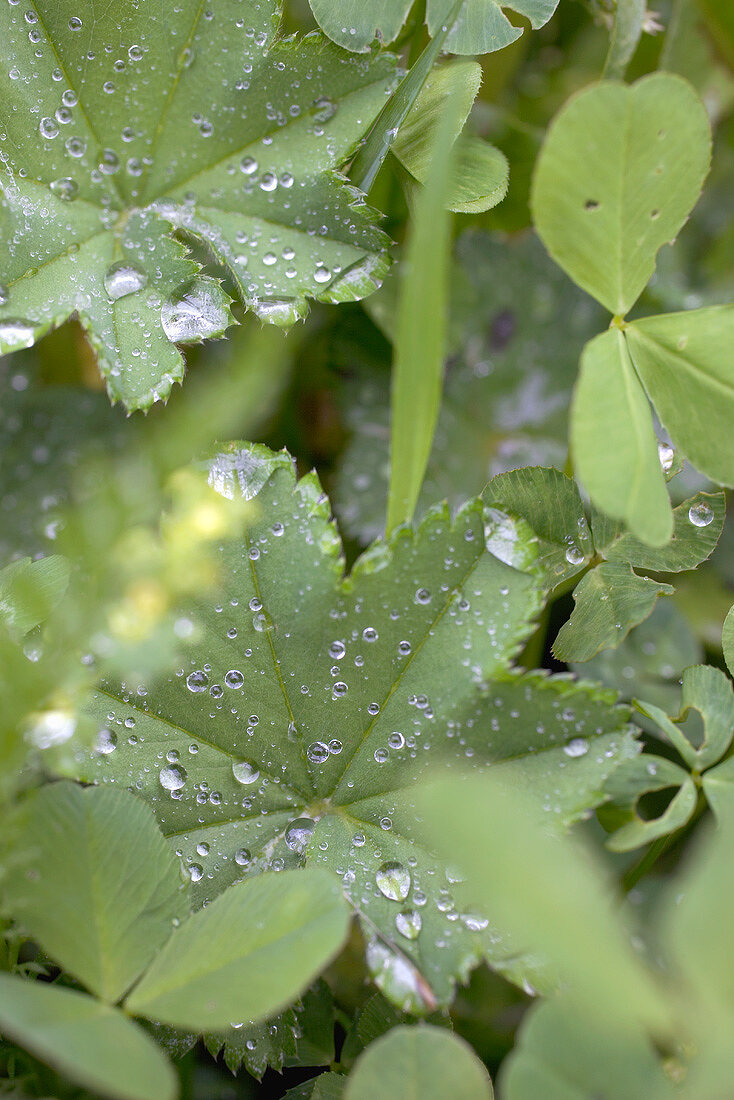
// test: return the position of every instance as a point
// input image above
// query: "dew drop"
(234, 678)
(666, 454)
(172, 778)
(409, 923)
(317, 752)
(299, 833)
(123, 278)
(574, 555)
(245, 772)
(65, 188)
(579, 746)
(194, 312)
(393, 880)
(105, 742)
(197, 681)
(700, 514)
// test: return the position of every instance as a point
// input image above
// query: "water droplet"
(194, 312)
(105, 742)
(48, 127)
(245, 772)
(369, 634)
(700, 514)
(269, 182)
(123, 278)
(76, 147)
(172, 778)
(16, 333)
(396, 740)
(109, 162)
(337, 650)
(248, 165)
(574, 555)
(423, 596)
(196, 872)
(234, 678)
(409, 923)
(579, 746)
(322, 274)
(197, 681)
(317, 752)
(393, 880)
(666, 454)
(65, 188)
(242, 857)
(75, 23)
(299, 833)
(4, 295)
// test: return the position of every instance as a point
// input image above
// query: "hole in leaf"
(591, 204)
(654, 214)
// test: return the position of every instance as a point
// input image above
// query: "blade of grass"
(420, 337)
(371, 155)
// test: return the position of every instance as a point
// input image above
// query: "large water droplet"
(123, 278)
(66, 188)
(317, 752)
(700, 514)
(393, 880)
(194, 312)
(574, 555)
(299, 833)
(245, 772)
(172, 778)
(16, 333)
(105, 742)
(197, 681)
(409, 923)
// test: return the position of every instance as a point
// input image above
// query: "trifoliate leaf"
(708, 691)
(613, 441)
(640, 776)
(119, 128)
(620, 170)
(96, 884)
(684, 361)
(697, 526)
(311, 701)
(29, 591)
(609, 601)
(419, 1062)
(506, 393)
(481, 25)
(249, 953)
(552, 505)
(92, 1043)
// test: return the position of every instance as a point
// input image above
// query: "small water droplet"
(65, 188)
(123, 278)
(666, 454)
(409, 923)
(579, 746)
(574, 555)
(234, 678)
(245, 772)
(317, 752)
(197, 681)
(700, 514)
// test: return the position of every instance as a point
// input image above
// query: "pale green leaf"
(479, 172)
(419, 1063)
(629, 18)
(565, 1053)
(609, 601)
(506, 392)
(420, 338)
(684, 361)
(697, 526)
(310, 695)
(93, 881)
(29, 591)
(727, 640)
(613, 441)
(249, 953)
(544, 890)
(640, 776)
(718, 786)
(327, 1086)
(93, 1044)
(619, 172)
(482, 26)
(185, 120)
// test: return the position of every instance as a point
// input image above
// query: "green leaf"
(419, 1063)
(727, 640)
(30, 590)
(551, 503)
(94, 882)
(614, 446)
(619, 172)
(249, 953)
(609, 601)
(697, 526)
(93, 1044)
(479, 172)
(640, 776)
(684, 361)
(629, 19)
(506, 392)
(310, 695)
(420, 338)
(327, 1086)
(718, 786)
(708, 691)
(482, 26)
(172, 120)
(563, 1053)
(543, 890)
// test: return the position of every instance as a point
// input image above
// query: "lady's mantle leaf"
(311, 701)
(117, 126)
